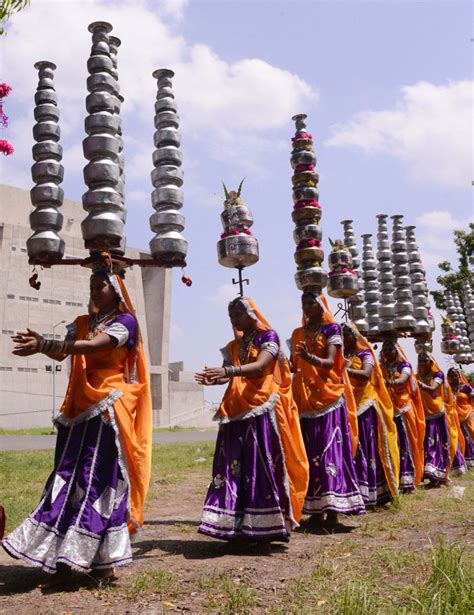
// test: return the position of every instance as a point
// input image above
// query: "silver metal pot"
(237, 215)
(315, 277)
(340, 259)
(307, 231)
(342, 285)
(237, 251)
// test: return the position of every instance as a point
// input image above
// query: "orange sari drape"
(273, 388)
(465, 411)
(117, 378)
(443, 399)
(315, 388)
(406, 400)
(375, 391)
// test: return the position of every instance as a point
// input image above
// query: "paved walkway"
(20, 443)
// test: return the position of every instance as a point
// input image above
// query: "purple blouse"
(366, 355)
(269, 341)
(467, 389)
(333, 334)
(124, 329)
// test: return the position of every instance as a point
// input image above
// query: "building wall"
(26, 387)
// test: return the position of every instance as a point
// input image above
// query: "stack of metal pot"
(306, 213)
(46, 221)
(168, 244)
(469, 311)
(386, 308)
(342, 280)
(114, 44)
(404, 321)
(237, 246)
(419, 289)
(371, 287)
(464, 355)
(103, 227)
(355, 302)
(449, 340)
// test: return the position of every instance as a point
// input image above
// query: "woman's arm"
(30, 342)
(327, 363)
(431, 388)
(361, 374)
(250, 370)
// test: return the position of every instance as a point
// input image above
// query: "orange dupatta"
(408, 396)
(442, 398)
(117, 379)
(273, 388)
(374, 390)
(315, 388)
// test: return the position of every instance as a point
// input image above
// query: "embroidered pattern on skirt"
(436, 447)
(368, 465)
(81, 519)
(407, 467)
(253, 502)
(332, 479)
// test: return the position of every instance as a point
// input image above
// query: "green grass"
(153, 582)
(23, 474)
(31, 431)
(229, 596)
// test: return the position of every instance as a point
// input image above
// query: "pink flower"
(304, 167)
(5, 89)
(5, 147)
(305, 203)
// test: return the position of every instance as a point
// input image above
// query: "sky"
(386, 84)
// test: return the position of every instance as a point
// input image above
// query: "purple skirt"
(368, 465)
(333, 483)
(458, 467)
(249, 493)
(407, 468)
(81, 519)
(469, 452)
(436, 448)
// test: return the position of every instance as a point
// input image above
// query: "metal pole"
(53, 413)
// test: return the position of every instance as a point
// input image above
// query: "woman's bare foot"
(315, 520)
(62, 576)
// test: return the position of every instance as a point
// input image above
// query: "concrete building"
(28, 385)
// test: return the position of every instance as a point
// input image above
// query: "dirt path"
(176, 569)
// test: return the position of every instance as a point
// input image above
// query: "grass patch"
(23, 474)
(154, 582)
(449, 589)
(31, 431)
(229, 596)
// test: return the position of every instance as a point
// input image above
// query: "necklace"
(245, 344)
(311, 332)
(98, 320)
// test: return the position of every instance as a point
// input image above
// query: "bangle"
(232, 370)
(315, 360)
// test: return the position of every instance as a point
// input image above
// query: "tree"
(452, 280)
(7, 8)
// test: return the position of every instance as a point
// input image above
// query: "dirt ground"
(176, 569)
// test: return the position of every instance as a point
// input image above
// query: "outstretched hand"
(27, 343)
(302, 351)
(207, 376)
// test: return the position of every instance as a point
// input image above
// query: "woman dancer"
(327, 414)
(409, 415)
(95, 494)
(441, 437)
(377, 460)
(260, 471)
(464, 399)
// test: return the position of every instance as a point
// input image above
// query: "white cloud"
(230, 108)
(435, 238)
(224, 294)
(429, 129)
